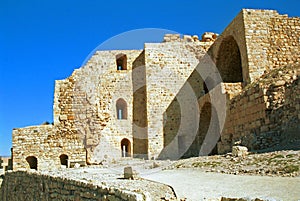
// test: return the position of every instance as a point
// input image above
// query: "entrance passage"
(125, 148)
(64, 159)
(32, 162)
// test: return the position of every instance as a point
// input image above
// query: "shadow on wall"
(265, 117)
(139, 126)
(204, 123)
(184, 132)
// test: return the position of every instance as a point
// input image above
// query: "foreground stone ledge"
(34, 185)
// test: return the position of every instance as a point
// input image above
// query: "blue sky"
(43, 41)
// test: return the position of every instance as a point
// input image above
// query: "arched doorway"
(32, 162)
(125, 148)
(229, 61)
(64, 159)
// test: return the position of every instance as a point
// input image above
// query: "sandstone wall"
(47, 145)
(284, 41)
(257, 35)
(168, 66)
(277, 36)
(34, 186)
(181, 119)
(87, 102)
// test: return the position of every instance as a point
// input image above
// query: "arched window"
(64, 159)
(125, 148)
(121, 60)
(32, 162)
(121, 109)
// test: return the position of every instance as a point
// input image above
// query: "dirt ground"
(278, 163)
(268, 176)
(194, 184)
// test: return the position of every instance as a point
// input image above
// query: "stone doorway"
(64, 159)
(125, 148)
(32, 162)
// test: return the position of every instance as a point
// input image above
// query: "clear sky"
(42, 41)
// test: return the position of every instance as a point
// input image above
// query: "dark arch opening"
(121, 109)
(229, 61)
(125, 148)
(64, 159)
(32, 161)
(121, 61)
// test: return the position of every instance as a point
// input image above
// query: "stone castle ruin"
(180, 98)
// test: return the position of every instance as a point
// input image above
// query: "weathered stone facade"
(179, 98)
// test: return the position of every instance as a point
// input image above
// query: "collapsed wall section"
(265, 116)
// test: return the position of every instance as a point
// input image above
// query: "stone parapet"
(21, 185)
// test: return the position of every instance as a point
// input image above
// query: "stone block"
(195, 37)
(63, 117)
(187, 38)
(129, 173)
(239, 151)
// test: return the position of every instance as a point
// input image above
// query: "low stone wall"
(20, 185)
(45, 143)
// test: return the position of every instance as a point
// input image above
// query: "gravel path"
(195, 184)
